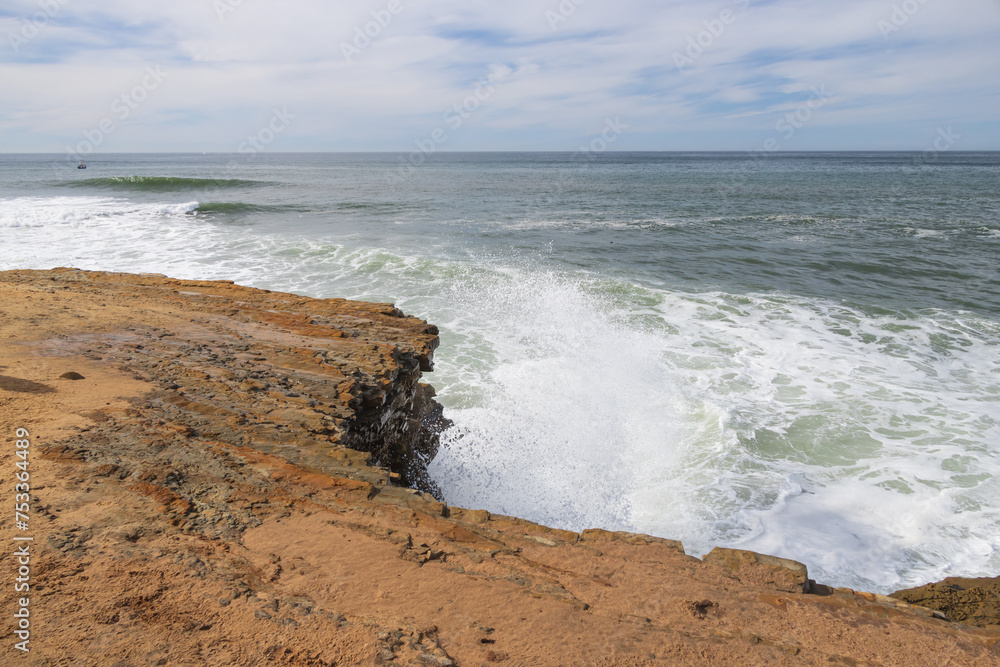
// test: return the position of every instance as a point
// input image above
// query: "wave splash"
(861, 441)
(854, 441)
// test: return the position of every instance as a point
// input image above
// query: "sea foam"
(860, 443)
(859, 440)
(47, 211)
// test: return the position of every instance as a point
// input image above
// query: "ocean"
(797, 354)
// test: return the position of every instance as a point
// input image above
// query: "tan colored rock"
(756, 569)
(599, 535)
(201, 498)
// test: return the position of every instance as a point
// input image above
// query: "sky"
(557, 75)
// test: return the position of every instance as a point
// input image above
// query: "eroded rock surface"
(972, 601)
(226, 483)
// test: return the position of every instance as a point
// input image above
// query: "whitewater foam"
(861, 441)
(582, 223)
(41, 212)
(926, 233)
(806, 429)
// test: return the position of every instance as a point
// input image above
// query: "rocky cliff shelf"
(229, 476)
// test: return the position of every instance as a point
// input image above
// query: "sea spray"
(777, 365)
(729, 419)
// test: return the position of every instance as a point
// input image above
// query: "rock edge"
(226, 482)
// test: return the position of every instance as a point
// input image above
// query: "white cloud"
(605, 59)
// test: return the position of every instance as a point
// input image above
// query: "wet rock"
(970, 601)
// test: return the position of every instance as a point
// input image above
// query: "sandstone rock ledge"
(225, 482)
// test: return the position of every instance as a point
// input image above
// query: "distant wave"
(374, 207)
(236, 208)
(160, 183)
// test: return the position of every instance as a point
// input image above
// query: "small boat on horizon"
(81, 165)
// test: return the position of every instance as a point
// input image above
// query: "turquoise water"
(797, 355)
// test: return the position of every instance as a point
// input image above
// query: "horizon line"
(471, 152)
